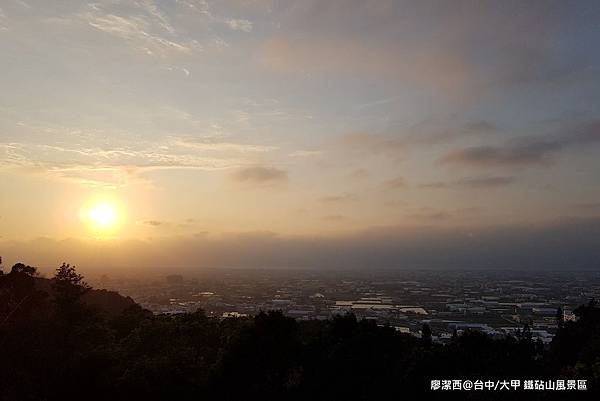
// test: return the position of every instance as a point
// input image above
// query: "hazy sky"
(303, 133)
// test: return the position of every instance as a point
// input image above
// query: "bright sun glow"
(103, 216)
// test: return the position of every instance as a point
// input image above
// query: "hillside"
(110, 303)
(61, 340)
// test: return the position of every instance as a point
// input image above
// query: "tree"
(18, 294)
(454, 334)
(560, 318)
(69, 287)
(539, 346)
(426, 335)
(21, 268)
(527, 332)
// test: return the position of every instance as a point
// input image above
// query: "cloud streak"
(151, 34)
(562, 244)
(118, 166)
(343, 198)
(386, 145)
(260, 175)
(394, 184)
(527, 151)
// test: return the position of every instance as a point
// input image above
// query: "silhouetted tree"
(60, 351)
(17, 293)
(539, 347)
(69, 287)
(21, 268)
(560, 318)
(426, 335)
(68, 284)
(527, 335)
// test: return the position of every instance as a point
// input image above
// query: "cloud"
(359, 174)
(117, 166)
(394, 184)
(435, 131)
(434, 185)
(427, 215)
(400, 141)
(563, 244)
(534, 150)
(305, 153)
(205, 9)
(153, 223)
(161, 29)
(589, 206)
(260, 175)
(439, 70)
(136, 30)
(3, 20)
(185, 71)
(334, 218)
(532, 153)
(479, 182)
(97, 177)
(343, 198)
(373, 143)
(485, 182)
(239, 24)
(207, 144)
(187, 223)
(459, 49)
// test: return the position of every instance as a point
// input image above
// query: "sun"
(102, 216)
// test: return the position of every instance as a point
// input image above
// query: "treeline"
(56, 343)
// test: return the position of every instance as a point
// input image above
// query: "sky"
(305, 134)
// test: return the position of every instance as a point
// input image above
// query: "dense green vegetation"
(61, 340)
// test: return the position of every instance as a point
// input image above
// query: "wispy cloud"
(374, 143)
(430, 215)
(153, 223)
(359, 174)
(529, 150)
(431, 48)
(394, 184)
(3, 21)
(538, 152)
(334, 218)
(479, 182)
(437, 131)
(118, 166)
(396, 142)
(485, 182)
(207, 144)
(137, 31)
(306, 153)
(204, 8)
(342, 198)
(161, 29)
(439, 70)
(260, 175)
(168, 225)
(238, 24)
(435, 246)
(588, 206)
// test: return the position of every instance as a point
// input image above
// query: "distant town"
(496, 303)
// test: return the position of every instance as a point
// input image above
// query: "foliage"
(55, 346)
